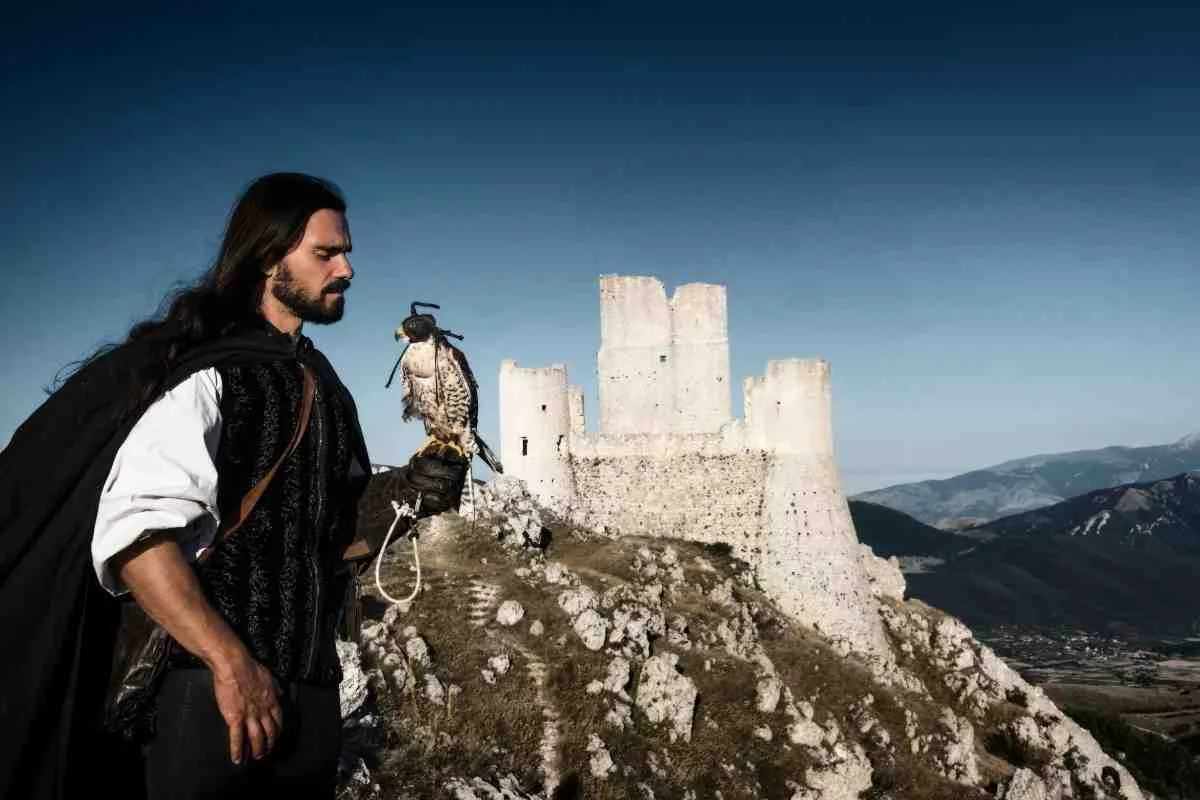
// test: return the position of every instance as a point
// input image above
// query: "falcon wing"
(461, 360)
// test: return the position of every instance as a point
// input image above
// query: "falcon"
(439, 389)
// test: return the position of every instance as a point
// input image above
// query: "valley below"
(1153, 685)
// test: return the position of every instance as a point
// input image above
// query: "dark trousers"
(189, 755)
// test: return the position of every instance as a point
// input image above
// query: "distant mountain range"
(980, 496)
(1123, 559)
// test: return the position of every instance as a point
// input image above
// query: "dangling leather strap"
(252, 496)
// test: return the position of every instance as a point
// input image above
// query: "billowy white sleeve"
(164, 476)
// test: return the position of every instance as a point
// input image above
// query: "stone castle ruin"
(669, 458)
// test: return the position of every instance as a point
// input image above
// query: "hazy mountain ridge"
(1125, 557)
(1168, 508)
(1025, 484)
(893, 533)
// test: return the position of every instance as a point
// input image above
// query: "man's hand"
(248, 697)
(167, 588)
(439, 476)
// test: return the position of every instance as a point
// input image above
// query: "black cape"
(57, 626)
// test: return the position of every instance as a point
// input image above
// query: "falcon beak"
(400, 335)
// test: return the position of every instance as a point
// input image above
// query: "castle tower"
(700, 358)
(634, 369)
(575, 406)
(810, 561)
(535, 425)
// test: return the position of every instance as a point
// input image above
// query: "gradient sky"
(987, 220)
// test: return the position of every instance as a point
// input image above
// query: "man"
(160, 440)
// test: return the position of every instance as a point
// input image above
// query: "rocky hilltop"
(545, 661)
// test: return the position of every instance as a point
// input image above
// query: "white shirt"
(164, 476)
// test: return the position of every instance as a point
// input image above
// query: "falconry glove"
(437, 475)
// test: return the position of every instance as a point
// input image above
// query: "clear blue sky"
(987, 220)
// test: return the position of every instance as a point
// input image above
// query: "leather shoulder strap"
(252, 497)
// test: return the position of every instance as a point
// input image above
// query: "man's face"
(311, 279)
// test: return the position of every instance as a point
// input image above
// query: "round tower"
(535, 427)
(810, 560)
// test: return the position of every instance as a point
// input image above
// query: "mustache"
(337, 287)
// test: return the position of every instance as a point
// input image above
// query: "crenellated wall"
(663, 365)
(668, 459)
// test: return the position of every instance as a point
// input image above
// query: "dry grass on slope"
(489, 731)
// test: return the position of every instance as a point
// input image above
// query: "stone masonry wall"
(701, 498)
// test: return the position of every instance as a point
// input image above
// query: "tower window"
(662, 359)
(524, 445)
(543, 406)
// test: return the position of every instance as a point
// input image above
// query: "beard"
(316, 310)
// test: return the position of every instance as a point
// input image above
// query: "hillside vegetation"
(614, 668)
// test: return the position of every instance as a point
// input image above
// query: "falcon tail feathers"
(488, 456)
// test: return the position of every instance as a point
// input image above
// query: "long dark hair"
(266, 223)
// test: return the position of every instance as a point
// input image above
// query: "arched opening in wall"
(524, 445)
(558, 444)
(543, 406)
(662, 359)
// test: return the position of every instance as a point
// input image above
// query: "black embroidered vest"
(278, 580)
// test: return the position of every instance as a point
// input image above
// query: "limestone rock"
(417, 651)
(576, 601)
(507, 788)
(352, 692)
(618, 677)
(500, 664)
(619, 716)
(767, 693)
(1024, 785)
(677, 632)
(435, 692)
(555, 572)
(592, 629)
(510, 613)
(664, 695)
(632, 627)
(845, 776)
(884, 577)
(805, 732)
(957, 752)
(601, 763)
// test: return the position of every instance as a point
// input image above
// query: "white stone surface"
(600, 764)
(767, 693)
(591, 628)
(510, 613)
(664, 695)
(534, 426)
(1024, 785)
(417, 651)
(352, 692)
(575, 601)
(844, 777)
(883, 575)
